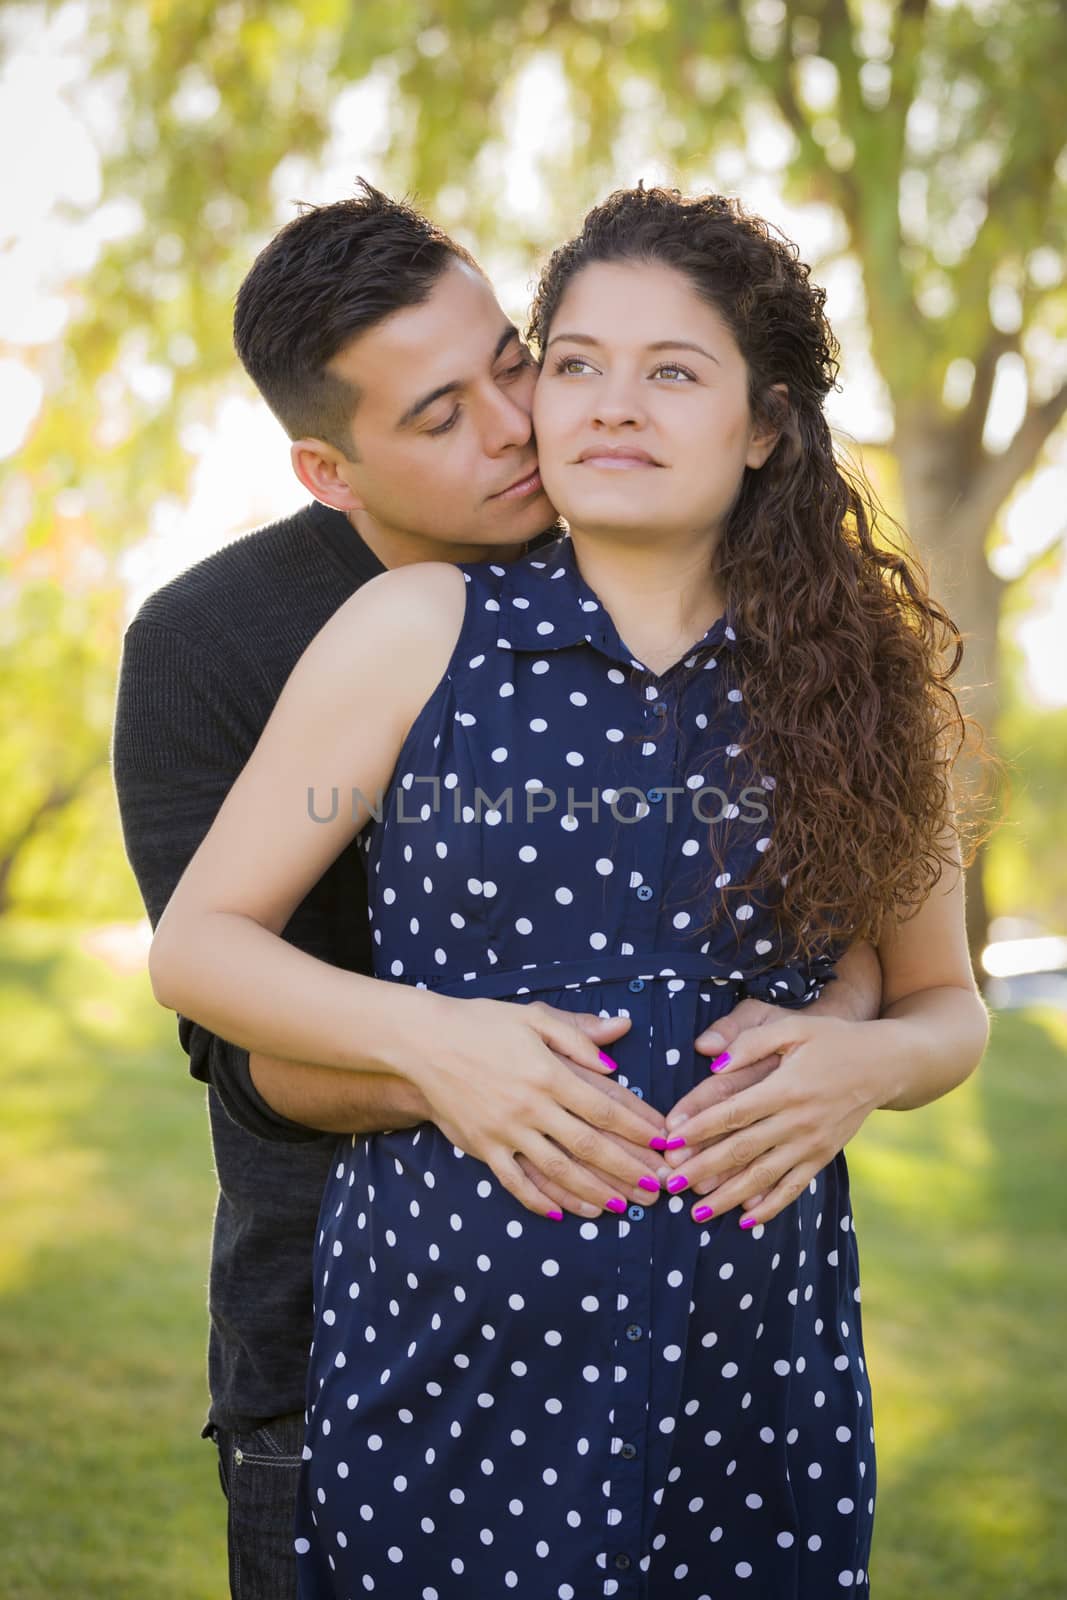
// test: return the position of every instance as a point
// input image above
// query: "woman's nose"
(617, 408)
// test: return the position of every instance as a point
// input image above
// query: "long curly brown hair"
(843, 657)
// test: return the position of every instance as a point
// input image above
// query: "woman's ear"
(768, 429)
(325, 473)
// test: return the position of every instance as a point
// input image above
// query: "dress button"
(645, 891)
(636, 1090)
(635, 985)
(660, 708)
(655, 795)
(635, 1213)
(628, 1452)
(634, 1331)
(622, 1562)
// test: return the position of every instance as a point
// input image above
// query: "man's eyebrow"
(414, 412)
(660, 344)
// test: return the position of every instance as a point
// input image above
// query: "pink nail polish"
(616, 1204)
(652, 1184)
(658, 1142)
(747, 1222)
(679, 1181)
(674, 1144)
(702, 1213)
(720, 1062)
(554, 1216)
(608, 1062)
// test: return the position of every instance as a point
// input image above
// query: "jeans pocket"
(263, 1471)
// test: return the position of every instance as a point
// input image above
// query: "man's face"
(442, 426)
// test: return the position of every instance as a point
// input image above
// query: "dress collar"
(546, 604)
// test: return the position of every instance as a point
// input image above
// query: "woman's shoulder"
(417, 605)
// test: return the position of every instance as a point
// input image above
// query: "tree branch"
(967, 433)
(996, 479)
(1057, 541)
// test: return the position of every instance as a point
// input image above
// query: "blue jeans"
(259, 1471)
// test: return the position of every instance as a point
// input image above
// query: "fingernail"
(616, 1204)
(679, 1181)
(747, 1222)
(608, 1062)
(720, 1062)
(657, 1142)
(554, 1216)
(674, 1144)
(651, 1184)
(702, 1213)
(712, 1041)
(663, 1173)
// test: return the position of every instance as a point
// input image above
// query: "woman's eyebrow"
(660, 344)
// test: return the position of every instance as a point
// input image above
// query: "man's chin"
(524, 523)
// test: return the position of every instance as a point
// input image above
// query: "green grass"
(107, 1191)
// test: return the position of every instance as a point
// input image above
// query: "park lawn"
(107, 1188)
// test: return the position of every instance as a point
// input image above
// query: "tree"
(932, 130)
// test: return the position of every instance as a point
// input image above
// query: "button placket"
(632, 1352)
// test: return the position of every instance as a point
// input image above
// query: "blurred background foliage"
(926, 138)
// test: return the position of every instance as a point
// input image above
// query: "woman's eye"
(443, 427)
(571, 364)
(671, 370)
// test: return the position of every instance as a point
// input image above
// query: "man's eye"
(443, 427)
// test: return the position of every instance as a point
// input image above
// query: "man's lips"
(620, 460)
(529, 484)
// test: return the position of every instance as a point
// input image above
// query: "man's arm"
(181, 738)
(328, 1100)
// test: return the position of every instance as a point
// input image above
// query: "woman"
(707, 731)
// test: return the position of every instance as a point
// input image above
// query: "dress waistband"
(795, 984)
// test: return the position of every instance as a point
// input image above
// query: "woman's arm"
(773, 1138)
(492, 1074)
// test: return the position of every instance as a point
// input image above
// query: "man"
(380, 347)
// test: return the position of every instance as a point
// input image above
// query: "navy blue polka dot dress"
(636, 1406)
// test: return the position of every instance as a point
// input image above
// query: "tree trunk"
(950, 534)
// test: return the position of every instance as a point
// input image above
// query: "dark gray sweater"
(203, 663)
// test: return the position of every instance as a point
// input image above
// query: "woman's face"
(641, 409)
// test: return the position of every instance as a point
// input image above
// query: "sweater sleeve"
(183, 731)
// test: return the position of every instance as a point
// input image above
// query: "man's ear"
(325, 473)
(765, 434)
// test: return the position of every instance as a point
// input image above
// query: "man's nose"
(508, 423)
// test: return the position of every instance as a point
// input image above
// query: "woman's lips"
(616, 463)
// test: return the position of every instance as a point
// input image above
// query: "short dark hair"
(326, 277)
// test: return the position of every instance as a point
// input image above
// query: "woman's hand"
(760, 1148)
(500, 1084)
(641, 1194)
